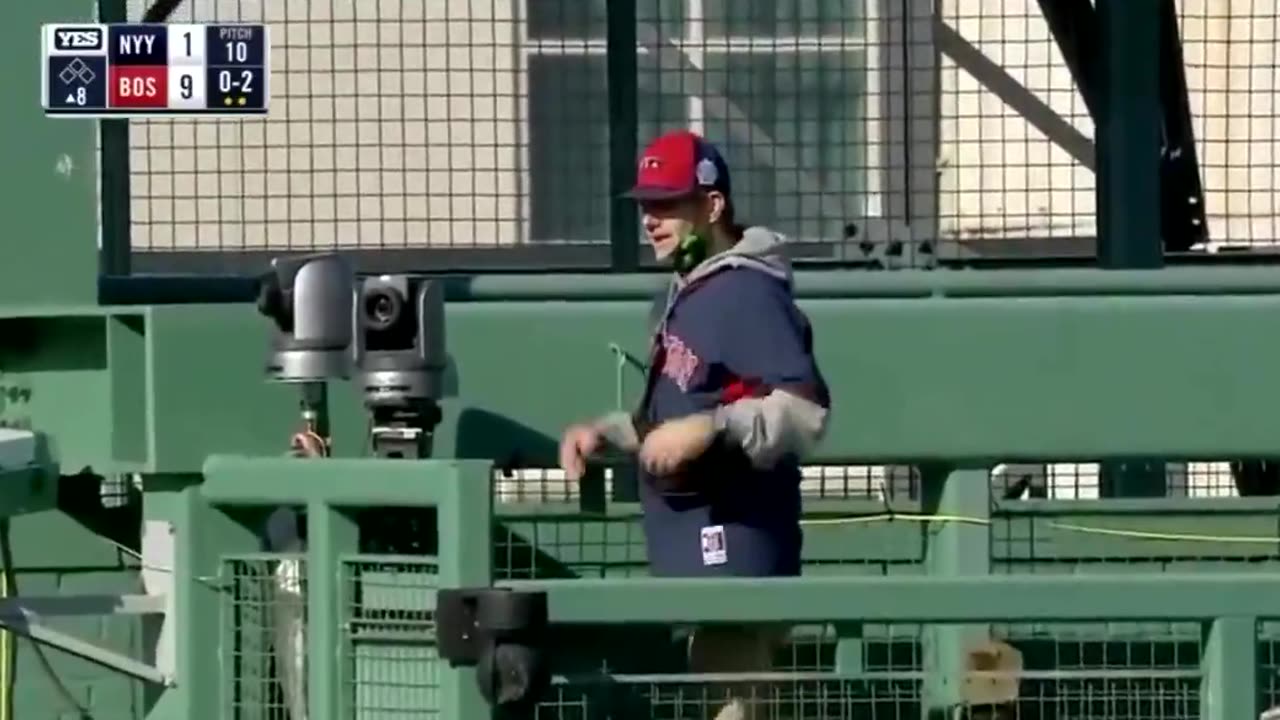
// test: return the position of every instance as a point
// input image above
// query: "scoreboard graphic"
(143, 70)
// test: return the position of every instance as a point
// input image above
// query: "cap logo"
(706, 172)
(650, 163)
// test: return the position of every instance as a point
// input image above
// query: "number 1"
(187, 36)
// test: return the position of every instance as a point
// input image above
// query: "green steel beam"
(37, 632)
(1229, 688)
(232, 480)
(115, 193)
(1040, 598)
(1129, 134)
(623, 87)
(78, 376)
(1230, 651)
(204, 535)
(824, 284)
(1026, 379)
(1129, 127)
(810, 284)
(331, 533)
(954, 550)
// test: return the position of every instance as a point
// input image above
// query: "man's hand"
(676, 442)
(577, 444)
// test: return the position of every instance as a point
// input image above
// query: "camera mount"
(400, 361)
(310, 300)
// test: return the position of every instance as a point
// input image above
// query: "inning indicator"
(143, 70)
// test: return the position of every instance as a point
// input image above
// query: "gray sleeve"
(772, 426)
(619, 430)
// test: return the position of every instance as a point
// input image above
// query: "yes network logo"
(78, 38)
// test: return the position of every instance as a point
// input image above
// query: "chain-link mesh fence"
(1142, 671)
(1056, 481)
(264, 636)
(390, 661)
(866, 127)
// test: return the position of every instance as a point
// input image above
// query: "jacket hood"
(760, 249)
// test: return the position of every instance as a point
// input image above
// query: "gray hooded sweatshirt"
(731, 343)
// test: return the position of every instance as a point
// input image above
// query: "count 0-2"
(227, 81)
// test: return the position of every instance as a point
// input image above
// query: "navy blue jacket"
(731, 342)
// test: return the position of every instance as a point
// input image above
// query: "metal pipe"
(25, 625)
(837, 284)
(175, 289)
(976, 599)
(810, 284)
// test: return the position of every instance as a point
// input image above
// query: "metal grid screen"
(1061, 671)
(390, 662)
(453, 124)
(872, 521)
(264, 629)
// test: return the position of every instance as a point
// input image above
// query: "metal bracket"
(22, 615)
(623, 360)
(1182, 215)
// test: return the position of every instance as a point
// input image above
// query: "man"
(733, 400)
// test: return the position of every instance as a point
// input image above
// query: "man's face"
(667, 222)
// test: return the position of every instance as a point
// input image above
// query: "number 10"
(237, 52)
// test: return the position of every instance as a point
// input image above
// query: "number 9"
(185, 84)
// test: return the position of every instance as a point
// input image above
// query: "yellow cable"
(6, 668)
(1115, 532)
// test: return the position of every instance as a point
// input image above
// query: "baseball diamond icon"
(76, 70)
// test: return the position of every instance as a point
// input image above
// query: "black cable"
(11, 582)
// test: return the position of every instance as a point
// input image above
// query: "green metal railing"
(359, 642)
(375, 611)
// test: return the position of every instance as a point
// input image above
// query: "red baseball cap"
(678, 164)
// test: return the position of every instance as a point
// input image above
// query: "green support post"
(331, 534)
(115, 250)
(1229, 688)
(51, 199)
(621, 48)
(204, 534)
(1128, 135)
(1128, 191)
(953, 549)
(850, 660)
(466, 532)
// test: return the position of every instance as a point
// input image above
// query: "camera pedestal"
(403, 433)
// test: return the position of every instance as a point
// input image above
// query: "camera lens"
(382, 308)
